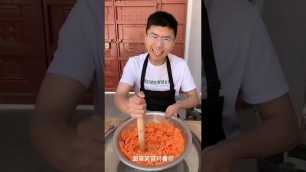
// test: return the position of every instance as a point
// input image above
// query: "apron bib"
(158, 100)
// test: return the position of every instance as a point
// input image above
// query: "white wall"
(286, 24)
(193, 40)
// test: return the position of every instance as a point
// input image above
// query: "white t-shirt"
(80, 52)
(245, 58)
(156, 78)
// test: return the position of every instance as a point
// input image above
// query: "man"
(247, 65)
(77, 63)
(79, 60)
(158, 74)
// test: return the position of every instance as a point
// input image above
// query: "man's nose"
(159, 42)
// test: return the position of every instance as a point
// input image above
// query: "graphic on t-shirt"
(157, 82)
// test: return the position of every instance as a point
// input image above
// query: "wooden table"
(195, 126)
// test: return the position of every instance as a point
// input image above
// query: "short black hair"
(164, 19)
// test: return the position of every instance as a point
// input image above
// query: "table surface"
(195, 126)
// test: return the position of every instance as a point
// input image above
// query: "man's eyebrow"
(152, 33)
(166, 36)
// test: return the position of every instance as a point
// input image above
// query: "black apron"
(158, 100)
(212, 107)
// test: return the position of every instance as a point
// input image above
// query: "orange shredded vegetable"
(163, 141)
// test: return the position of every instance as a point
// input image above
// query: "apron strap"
(170, 74)
(212, 108)
(208, 59)
(143, 72)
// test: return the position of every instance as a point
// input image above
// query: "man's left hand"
(89, 145)
(218, 158)
(172, 110)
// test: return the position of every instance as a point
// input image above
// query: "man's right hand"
(89, 147)
(137, 105)
(218, 158)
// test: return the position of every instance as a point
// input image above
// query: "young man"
(79, 60)
(247, 65)
(157, 76)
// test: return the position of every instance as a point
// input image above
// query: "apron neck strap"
(212, 108)
(170, 74)
(208, 58)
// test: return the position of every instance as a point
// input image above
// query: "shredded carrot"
(164, 143)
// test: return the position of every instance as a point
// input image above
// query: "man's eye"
(167, 39)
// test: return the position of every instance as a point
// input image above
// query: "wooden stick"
(141, 134)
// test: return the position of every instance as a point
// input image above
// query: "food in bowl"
(163, 141)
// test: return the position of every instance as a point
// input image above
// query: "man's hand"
(278, 132)
(137, 105)
(219, 158)
(89, 145)
(134, 106)
(192, 100)
(172, 110)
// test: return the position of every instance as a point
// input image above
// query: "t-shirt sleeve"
(129, 72)
(187, 80)
(263, 80)
(74, 56)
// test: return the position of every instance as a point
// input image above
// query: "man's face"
(159, 42)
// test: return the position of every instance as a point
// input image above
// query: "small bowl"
(153, 117)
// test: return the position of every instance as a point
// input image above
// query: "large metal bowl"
(153, 117)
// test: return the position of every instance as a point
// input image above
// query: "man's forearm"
(189, 102)
(55, 142)
(276, 134)
(122, 104)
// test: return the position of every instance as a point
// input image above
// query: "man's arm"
(192, 100)
(135, 106)
(51, 131)
(122, 97)
(278, 132)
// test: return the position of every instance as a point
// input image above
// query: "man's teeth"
(156, 52)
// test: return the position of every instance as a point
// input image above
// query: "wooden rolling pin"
(141, 128)
(141, 134)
